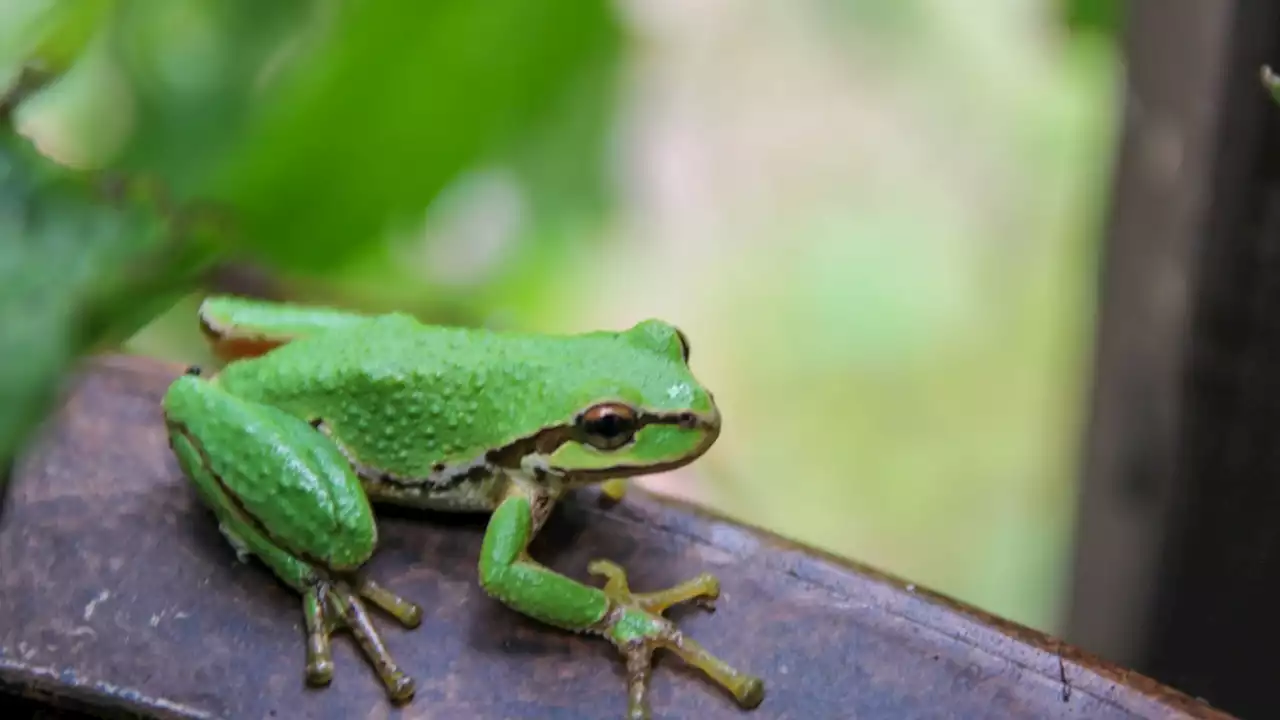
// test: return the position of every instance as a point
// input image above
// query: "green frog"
(320, 413)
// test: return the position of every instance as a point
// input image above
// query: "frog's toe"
(638, 629)
(747, 690)
(401, 688)
(703, 589)
(319, 658)
(750, 692)
(639, 667)
(342, 606)
(319, 672)
(615, 577)
(409, 614)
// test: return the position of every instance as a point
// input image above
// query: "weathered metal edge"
(64, 690)
(1032, 650)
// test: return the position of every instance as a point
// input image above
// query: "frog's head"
(635, 407)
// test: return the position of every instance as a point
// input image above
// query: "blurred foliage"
(1105, 17)
(316, 132)
(85, 258)
(874, 218)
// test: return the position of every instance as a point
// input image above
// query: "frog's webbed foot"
(703, 590)
(614, 490)
(635, 625)
(331, 606)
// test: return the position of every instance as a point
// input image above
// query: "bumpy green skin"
(286, 479)
(229, 314)
(289, 446)
(404, 397)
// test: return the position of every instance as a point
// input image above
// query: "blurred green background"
(877, 221)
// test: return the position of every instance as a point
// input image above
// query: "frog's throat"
(539, 446)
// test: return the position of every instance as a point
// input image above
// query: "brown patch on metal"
(98, 508)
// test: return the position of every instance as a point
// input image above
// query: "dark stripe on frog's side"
(543, 442)
(249, 518)
(443, 483)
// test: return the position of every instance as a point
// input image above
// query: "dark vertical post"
(1178, 563)
(1175, 55)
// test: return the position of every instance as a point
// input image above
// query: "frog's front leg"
(283, 492)
(632, 622)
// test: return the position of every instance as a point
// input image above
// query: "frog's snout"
(709, 423)
(711, 420)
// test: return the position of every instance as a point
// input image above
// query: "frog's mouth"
(678, 439)
(557, 450)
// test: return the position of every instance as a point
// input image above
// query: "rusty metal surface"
(118, 591)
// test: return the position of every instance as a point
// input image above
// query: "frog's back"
(406, 397)
(382, 344)
(399, 348)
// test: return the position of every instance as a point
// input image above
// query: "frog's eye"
(608, 426)
(684, 344)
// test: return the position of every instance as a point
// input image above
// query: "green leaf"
(401, 98)
(324, 126)
(84, 261)
(1105, 17)
(50, 34)
(197, 71)
(562, 160)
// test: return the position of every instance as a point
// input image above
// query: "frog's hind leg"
(239, 328)
(331, 603)
(284, 493)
